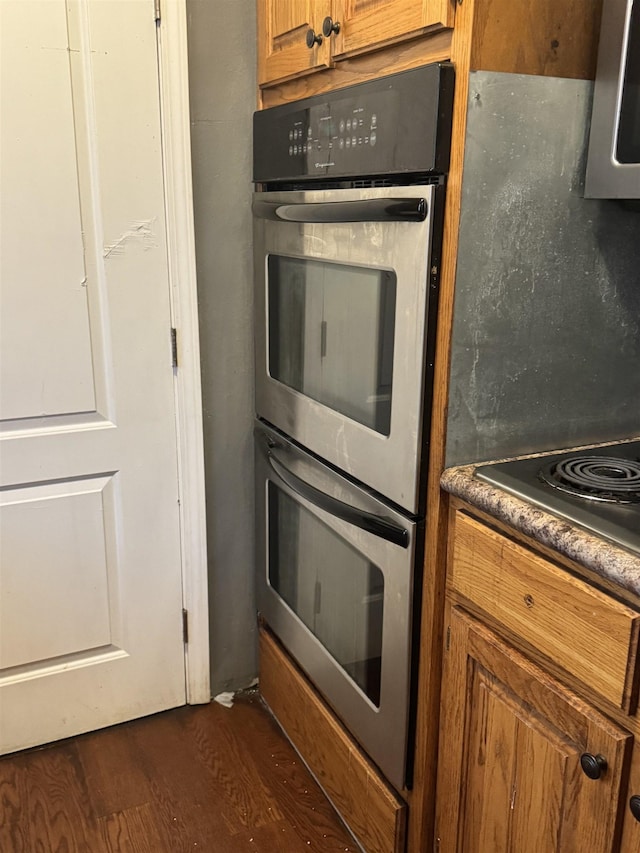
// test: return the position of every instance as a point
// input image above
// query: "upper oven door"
(342, 307)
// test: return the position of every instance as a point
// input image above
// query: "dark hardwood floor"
(200, 778)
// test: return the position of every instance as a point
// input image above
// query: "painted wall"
(546, 339)
(222, 74)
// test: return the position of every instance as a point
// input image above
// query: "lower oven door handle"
(376, 524)
(367, 210)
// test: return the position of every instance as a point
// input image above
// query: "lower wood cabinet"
(582, 630)
(631, 827)
(525, 766)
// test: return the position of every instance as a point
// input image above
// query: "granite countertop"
(616, 565)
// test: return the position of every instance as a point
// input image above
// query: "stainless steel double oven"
(347, 232)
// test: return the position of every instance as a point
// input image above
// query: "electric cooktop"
(598, 489)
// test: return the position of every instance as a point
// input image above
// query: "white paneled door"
(90, 573)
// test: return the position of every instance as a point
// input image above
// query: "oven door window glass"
(628, 146)
(336, 592)
(331, 335)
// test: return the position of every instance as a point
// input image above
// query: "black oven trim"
(409, 141)
(362, 182)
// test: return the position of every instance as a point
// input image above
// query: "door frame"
(176, 156)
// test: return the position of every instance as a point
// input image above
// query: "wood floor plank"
(114, 781)
(227, 754)
(186, 808)
(60, 814)
(191, 803)
(133, 830)
(313, 820)
(203, 779)
(14, 817)
(282, 837)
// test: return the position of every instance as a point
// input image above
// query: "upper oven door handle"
(376, 524)
(366, 210)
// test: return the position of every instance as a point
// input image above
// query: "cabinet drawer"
(586, 632)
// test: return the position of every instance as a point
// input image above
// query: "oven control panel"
(339, 130)
(395, 124)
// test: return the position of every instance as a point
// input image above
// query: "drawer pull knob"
(634, 806)
(330, 26)
(313, 38)
(593, 765)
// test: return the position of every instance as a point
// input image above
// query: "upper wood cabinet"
(359, 26)
(282, 38)
(368, 24)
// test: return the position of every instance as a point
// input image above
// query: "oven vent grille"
(360, 183)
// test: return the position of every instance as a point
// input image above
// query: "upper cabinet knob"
(593, 765)
(634, 805)
(313, 38)
(328, 26)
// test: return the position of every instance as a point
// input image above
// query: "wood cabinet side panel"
(454, 736)
(545, 37)
(422, 800)
(370, 808)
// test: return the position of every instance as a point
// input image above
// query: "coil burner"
(598, 489)
(596, 478)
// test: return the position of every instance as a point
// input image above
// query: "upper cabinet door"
(367, 24)
(283, 26)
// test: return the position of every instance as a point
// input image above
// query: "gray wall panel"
(222, 73)
(546, 339)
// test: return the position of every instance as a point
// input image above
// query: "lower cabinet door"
(631, 826)
(525, 765)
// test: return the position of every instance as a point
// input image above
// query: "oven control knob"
(313, 38)
(593, 765)
(330, 26)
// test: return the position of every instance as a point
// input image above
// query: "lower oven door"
(335, 584)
